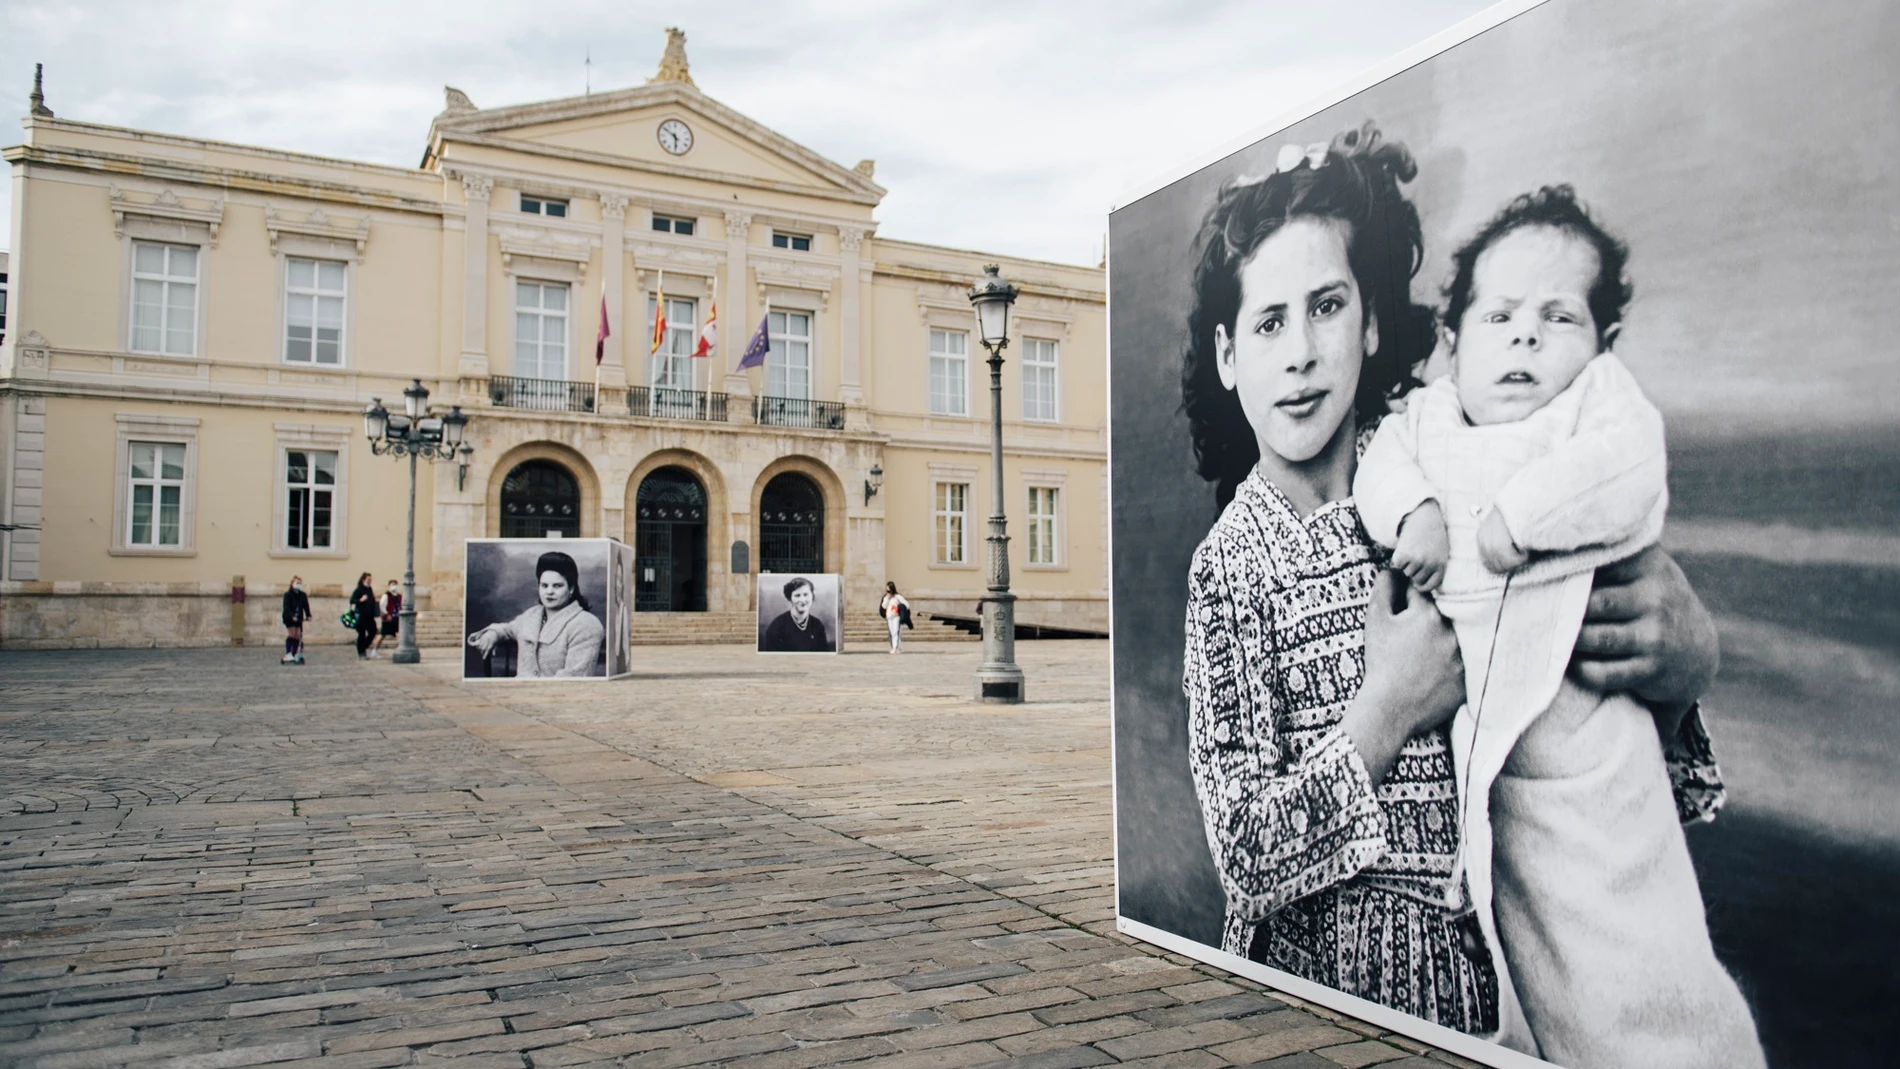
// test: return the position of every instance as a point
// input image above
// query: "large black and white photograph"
(800, 613)
(1505, 475)
(536, 608)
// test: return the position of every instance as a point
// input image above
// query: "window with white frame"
(309, 499)
(788, 365)
(541, 330)
(949, 373)
(313, 311)
(672, 366)
(154, 515)
(673, 224)
(1039, 379)
(1043, 527)
(952, 523)
(794, 242)
(164, 298)
(543, 206)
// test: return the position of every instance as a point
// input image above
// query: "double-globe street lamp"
(415, 432)
(997, 679)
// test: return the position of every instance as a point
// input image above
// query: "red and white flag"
(600, 340)
(709, 334)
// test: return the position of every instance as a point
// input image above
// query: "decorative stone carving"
(35, 355)
(867, 168)
(455, 101)
(673, 65)
(613, 206)
(477, 186)
(545, 245)
(317, 224)
(738, 223)
(850, 238)
(166, 207)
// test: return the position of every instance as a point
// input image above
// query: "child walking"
(1501, 488)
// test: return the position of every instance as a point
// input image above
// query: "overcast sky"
(1006, 128)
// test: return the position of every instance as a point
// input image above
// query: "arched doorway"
(669, 543)
(791, 525)
(540, 498)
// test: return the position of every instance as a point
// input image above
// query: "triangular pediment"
(622, 129)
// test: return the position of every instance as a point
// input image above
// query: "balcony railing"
(544, 395)
(664, 402)
(798, 412)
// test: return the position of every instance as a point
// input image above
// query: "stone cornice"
(316, 224)
(956, 278)
(453, 126)
(545, 244)
(675, 170)
(180, 172)
(165, 205)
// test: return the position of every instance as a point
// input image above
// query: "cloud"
(1012, 133)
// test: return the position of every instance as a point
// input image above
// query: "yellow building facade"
(193, 330)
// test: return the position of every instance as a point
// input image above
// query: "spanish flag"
(659, 317)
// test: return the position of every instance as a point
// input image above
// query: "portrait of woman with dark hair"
(798, 629)
(558, 637)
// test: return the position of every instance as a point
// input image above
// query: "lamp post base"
(409, 655)
(1000, 684)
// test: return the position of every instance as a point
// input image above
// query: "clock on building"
(676, 137)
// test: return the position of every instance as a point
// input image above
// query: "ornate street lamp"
(997, 679)
(415, 432)
(873, 482)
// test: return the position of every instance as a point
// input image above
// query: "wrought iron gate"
(669, 544)
(539, 498)
(791, 525)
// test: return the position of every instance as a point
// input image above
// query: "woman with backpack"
(363, 604)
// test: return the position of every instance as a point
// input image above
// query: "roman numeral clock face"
(676, 137)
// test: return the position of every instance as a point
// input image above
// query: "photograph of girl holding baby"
(1525, 545)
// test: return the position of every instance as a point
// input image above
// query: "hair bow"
(1292, 155)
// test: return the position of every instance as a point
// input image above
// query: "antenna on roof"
(589, 66)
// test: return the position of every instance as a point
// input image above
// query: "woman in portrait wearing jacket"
(559, 637)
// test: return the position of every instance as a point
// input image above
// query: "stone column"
(850, 328)
(474, 363)
(613, 258)
(738, 385)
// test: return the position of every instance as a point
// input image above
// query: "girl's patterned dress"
(1326, 876)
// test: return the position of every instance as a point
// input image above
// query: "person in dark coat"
(296, 611)
(363, 600)
(796, 630)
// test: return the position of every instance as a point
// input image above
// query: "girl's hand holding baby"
(1423, 547)
(1496, 547)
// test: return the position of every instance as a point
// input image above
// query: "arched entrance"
(791, 525)
(540, 498)
(669, 543)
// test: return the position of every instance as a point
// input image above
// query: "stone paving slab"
(207, 860)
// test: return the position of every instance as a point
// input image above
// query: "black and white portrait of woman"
(535, 608)
(1441, 682)
(620, 612)
(799, 614)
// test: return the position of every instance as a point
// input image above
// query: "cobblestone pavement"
(207, 861)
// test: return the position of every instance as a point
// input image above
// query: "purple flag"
(755, 350)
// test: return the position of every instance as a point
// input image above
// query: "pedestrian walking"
(296, 611)
(363, 604)
(896, 613)
(392, 612)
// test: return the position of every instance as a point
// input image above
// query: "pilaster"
(474, 362)
(613, 256)
(851, 329)
(738, 385)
